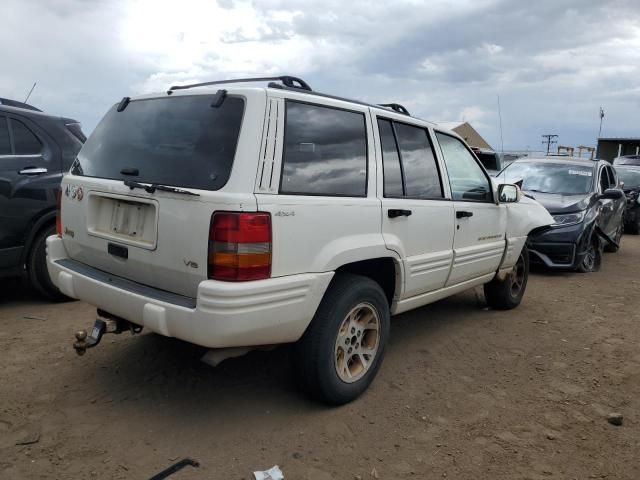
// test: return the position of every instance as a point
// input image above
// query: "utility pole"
(601, 117)
(550, 140)
(500, 117)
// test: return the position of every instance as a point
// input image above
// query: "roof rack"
(15, 103)
(286, 80)
(396, 107)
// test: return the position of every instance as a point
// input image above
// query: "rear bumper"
(224, 314)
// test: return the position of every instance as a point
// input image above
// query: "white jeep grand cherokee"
(250, 216)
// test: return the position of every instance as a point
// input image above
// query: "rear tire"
(507, 294)
(37, 272)
(340, 353)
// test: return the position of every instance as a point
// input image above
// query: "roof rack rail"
(287, 80)
(396, 107)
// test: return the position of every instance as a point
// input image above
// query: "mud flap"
(606, 237)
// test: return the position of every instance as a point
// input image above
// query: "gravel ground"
(464, 393)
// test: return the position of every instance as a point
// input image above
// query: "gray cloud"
(553, 63)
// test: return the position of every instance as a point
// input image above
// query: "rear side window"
(393, 185)
(5, 143)
(408, 161)
(325, 151)
(180, 141)
(24, 140)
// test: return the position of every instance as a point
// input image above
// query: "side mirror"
(612, 194)
(509, 193)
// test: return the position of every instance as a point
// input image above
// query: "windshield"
(630, 177)
(568, 179)
(181, 141)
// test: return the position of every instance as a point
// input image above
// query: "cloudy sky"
(552, 62)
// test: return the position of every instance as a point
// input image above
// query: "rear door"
(417, 218)
(110, 221)
(479, 240)
(317, 180)
(29, 176)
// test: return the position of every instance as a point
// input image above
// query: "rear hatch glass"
(181, 141)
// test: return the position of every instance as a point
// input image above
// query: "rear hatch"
(139, 198)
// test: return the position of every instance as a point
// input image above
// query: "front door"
(26, 187)
(480, 224)
(417, 219)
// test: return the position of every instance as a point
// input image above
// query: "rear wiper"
(154, 186)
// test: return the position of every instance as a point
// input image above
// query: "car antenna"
(30, 91)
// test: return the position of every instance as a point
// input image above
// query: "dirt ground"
(464, 393)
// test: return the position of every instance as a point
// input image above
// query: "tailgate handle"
(398, 212)
(118, 250)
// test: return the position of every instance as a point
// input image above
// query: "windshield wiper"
(154, 186)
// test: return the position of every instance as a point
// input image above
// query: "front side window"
(24, 140)
(5, 143)
(325, 151)
(604, 179)
(467, 179)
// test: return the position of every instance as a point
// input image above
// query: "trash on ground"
(175, 467)
(274, 473)
(615, 419)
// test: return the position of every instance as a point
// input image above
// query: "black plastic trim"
(127, 285)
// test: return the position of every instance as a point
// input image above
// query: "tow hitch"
(105, 323)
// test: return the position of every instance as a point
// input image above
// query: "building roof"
(449, 125)
(619, 139)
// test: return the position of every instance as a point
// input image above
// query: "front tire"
(37, 272)
(507, 294)
(340, 353)
(592, 259)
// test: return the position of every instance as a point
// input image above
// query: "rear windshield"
(569, 179)
(631, 178)
(630, 160)
(181, 141)
(489, 160)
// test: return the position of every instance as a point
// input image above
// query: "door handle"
(463, 214)
(32, 171)
(398, 212)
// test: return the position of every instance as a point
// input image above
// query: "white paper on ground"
(274, 473)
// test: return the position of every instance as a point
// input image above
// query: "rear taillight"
(58, 212)
(240, 246)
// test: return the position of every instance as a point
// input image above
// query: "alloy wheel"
(517, 276)
(589, 260)
(357, 342)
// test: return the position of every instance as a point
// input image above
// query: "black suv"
(586, 202)
(35, 148)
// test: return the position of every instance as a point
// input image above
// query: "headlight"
(568, 219)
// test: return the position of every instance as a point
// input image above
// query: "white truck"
(257, 215)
